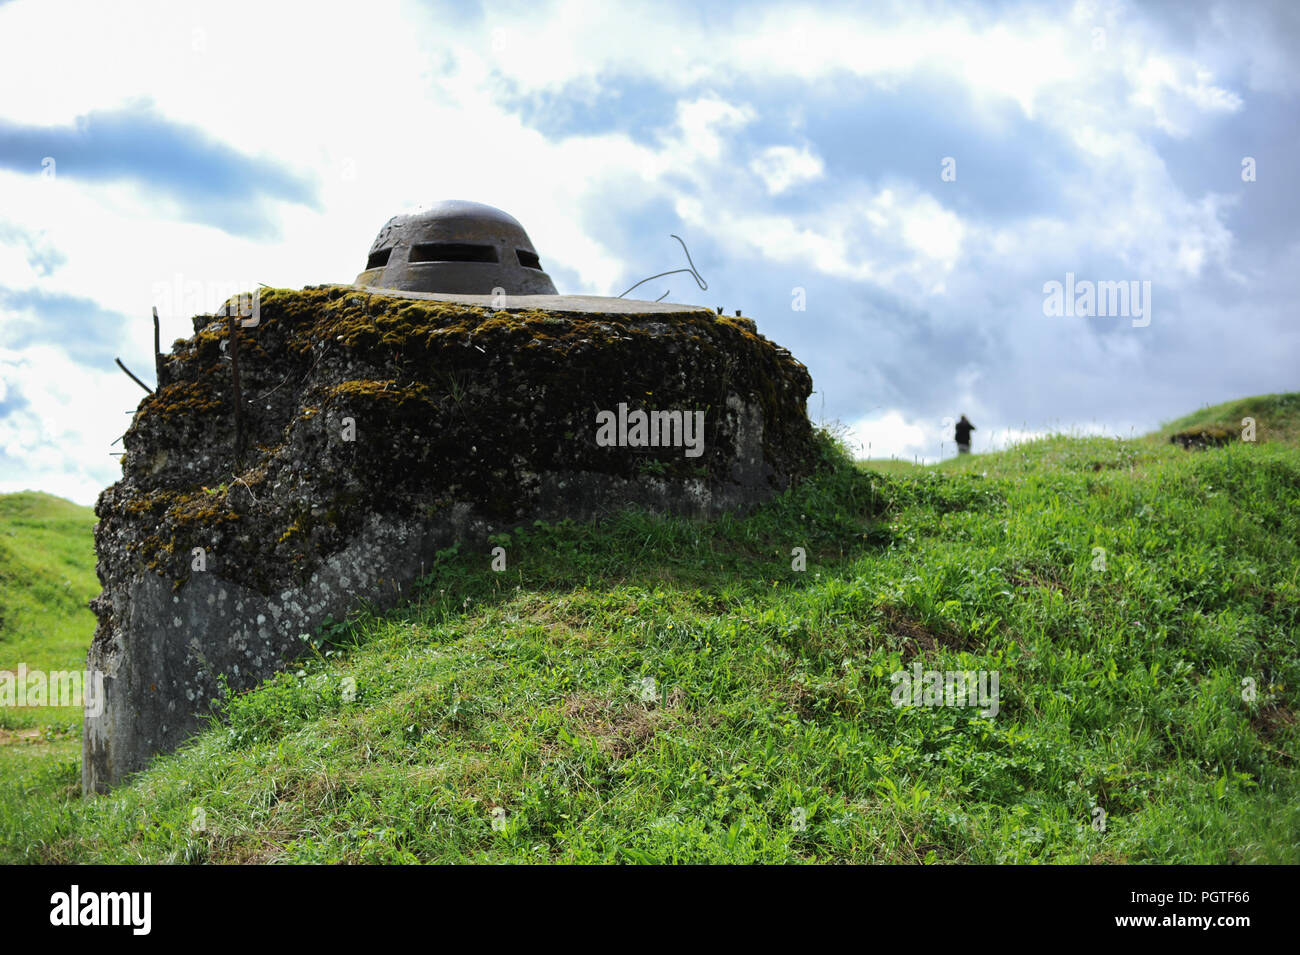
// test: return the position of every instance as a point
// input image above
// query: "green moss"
(182, 521)
(181, 399)
(388, 392)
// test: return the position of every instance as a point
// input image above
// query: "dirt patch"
(1202, 437)
(621, 729)
(1272, 720)
(1046, 577)
(33, 736)
(915, 636)
(560, 628)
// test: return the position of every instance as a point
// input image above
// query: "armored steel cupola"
(457, 247)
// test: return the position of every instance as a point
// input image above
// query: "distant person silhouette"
(964, 428)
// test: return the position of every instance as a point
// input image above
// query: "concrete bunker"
(468, 415)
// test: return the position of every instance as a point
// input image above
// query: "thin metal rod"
(699, 279)
(234, 370)
(131, 376)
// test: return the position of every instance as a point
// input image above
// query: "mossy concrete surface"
(378, 429)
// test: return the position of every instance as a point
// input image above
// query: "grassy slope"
(47, 574)
(520, 697)
(1277, 418)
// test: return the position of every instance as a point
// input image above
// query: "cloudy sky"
(919, 173)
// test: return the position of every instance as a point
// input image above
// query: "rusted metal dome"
(456, 247)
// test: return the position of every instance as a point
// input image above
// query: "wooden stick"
(157, 350)
(131, 376)
(234, 369)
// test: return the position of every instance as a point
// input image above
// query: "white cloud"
(893, 435)
(59, 442)
(701, 124)
(1176, 93)
(783, 167)
(895, 236)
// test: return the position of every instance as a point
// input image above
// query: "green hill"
(47, 574)
(1277, 418)
(657, 689)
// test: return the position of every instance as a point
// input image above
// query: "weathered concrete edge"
(579, 304)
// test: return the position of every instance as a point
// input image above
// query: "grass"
(47, 575)
(1277, 418)
(663, 690)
